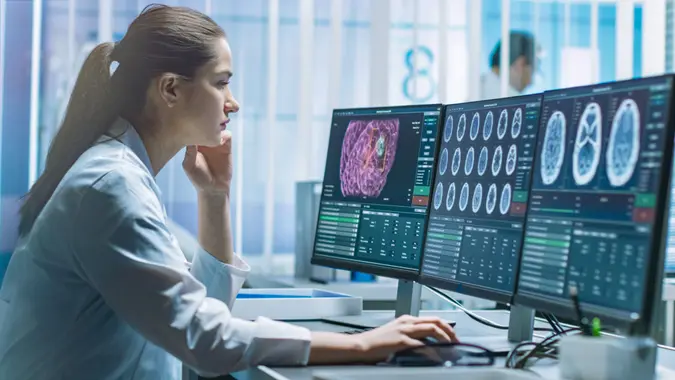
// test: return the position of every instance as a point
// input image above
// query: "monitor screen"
(596, 208)
(375, 197)
(480, 196)
(670, 248)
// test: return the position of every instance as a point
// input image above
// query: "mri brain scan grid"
(478, 161)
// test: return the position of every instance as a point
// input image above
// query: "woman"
(98, 287)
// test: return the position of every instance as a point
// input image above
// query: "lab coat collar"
(124, 132)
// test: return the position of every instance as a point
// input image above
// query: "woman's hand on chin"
(210, 168)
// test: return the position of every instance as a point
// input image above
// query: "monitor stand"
(408, 298)
(521, 324)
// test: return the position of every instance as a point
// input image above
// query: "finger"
(434, 320)
(226, 138)
(442, 324)
(190, 158)
(411, 342)
(426, 330)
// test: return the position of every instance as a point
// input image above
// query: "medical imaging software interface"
(377, 184)
(594, 190)
(480, 192)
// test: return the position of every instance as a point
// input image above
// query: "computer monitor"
(670, 248)
(480, 196)
(597, 207)
(375, 196)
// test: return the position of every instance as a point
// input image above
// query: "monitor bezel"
(615, 318)
(462, 287)
(377, 269)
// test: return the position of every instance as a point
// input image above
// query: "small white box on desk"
(289, 304)
(607, 358)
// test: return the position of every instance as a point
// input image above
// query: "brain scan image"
(450, 198)
(464, 197)
(461, 127)
(468, 162)
(482, 161)
(505, 200)
(438, 196)
(477, 198)
(511, 159)
(516, 123)
(456, 161)
(624, 143)
(487, 125)
(443, 164)
(447, 132)
(475, 126)
(553, 150)
(503, 124)
(368, 153)
(491, 199)
(586, 153)
(497, 161)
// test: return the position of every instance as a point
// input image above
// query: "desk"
(380, 295)
(466, 328)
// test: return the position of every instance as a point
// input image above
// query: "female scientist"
(98, 287)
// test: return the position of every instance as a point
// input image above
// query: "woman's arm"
(125, 252)
(215, 231)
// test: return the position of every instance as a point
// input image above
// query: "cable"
(557, 322)
(542, 349)
(514, 352)
(473, 316)
(555, 325)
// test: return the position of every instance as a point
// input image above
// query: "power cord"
(476, 317)
(555, 324)
(547, 348)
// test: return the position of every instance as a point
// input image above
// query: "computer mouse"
(428, 340)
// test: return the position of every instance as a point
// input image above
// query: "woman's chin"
(213, 140)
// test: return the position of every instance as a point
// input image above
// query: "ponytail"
(162, 39)
(91, 111)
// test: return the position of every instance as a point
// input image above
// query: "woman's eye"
(223, 84)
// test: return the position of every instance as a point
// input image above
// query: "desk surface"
(383, 290)
(466, 328)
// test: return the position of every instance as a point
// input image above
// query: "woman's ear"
(167, 86)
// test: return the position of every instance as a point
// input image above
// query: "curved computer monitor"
(480, 196)
(597, 209)
(375, 197)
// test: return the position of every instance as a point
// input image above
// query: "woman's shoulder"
(112, 182)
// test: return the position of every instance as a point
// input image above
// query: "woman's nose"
(231, 106)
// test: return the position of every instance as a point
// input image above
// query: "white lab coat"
(491, 87)
(101, 290)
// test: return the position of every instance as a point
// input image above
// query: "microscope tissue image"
(368, 153)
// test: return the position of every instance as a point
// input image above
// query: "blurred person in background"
(523, 54)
